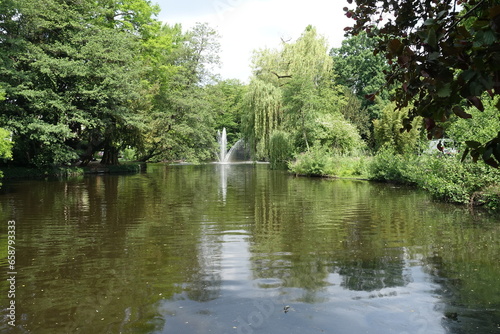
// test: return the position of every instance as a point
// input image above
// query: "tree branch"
(281, 76)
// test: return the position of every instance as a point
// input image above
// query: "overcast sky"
(247, 25)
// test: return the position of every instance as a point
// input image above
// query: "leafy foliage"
(179, 117)
(359, 69)
(481, 127)
(280, 148)
(293, 91)
(336, 134)
(442, 55)
(263, 107)
(5, 144)
(388, 130)
(69, 79)
(354, 112)
(315, 162)
(445, 177)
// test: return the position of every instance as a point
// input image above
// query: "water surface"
(229, 248)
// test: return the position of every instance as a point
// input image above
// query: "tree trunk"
(110, 156)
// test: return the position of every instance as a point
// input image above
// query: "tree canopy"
(78, 79)
(293, 101)
(444, 56)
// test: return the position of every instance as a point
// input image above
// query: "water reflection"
(224, 248)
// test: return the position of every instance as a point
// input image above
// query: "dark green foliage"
(226, 99)
(69, 80)
(441, 59)
(85, 77)
(359, 69)
(180, 118)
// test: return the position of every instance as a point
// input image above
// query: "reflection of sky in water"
(243, 306)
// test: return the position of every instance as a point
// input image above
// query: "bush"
(319, 161)
(129, 154)
(337, 135)
(390, 166)
(444, 176)
(315, 162)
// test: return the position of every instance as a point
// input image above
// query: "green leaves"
(71, 77)
(454, 56)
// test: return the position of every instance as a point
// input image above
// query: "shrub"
(444, 176)
(280, 148)
(337, 135)
(388, 165)
(315, 162)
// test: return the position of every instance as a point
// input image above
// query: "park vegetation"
(84, 81)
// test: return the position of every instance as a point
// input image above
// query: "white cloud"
(247, 25)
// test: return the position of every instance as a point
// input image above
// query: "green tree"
(389, 134)
(309, 67)
(292, 91)
(5, 145)
(481, 127)
(442, 54)
(352, 108)
(226, 99)
(359, 69)
(180, 120)
(263, 114)
(70, 73)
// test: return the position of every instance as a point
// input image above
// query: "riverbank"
(70, 171)
(445, 177)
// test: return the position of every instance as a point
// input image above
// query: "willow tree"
(290, 89)
(309, 68)
(263, 114)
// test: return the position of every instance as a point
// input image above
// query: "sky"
(248, 25)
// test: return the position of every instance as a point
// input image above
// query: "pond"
(243, 249)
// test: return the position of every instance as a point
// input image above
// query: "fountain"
(226, 156)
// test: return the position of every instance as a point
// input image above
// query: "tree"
(354, 112)
(199, 55)
(443, 55)
(388, 134)
(481, 127)
(357, 68)
(263, 114)
(292, 89)
(309, 67)
(226, 99)
(70, 73)
(179, 121)
(5, 139)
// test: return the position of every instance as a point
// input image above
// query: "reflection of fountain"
(226, 156)
(223, 181)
